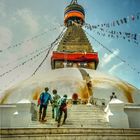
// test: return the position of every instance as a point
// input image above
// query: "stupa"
(74, 65)
(74, 71)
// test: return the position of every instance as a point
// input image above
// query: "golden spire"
(73, 2)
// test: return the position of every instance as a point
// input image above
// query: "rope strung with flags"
(23, 63)
(121, 59)
(117, 22)
(130, 37)
(34, 57)
(30, 39)
(52, 46)
(106, 30)
(23, 57)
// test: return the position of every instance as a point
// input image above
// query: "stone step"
(70, 134)
(69, 125)
(82, 119)
(94, 114)
(77, 118)
(86, 113)
(83, 111)
(85, 120)
(80, 109)
(87, 107)
(87, 117)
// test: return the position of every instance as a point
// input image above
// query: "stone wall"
(133, 113)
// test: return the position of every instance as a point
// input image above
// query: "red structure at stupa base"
(74, 50)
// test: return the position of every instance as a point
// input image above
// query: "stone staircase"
(83, 123)
(78, 116)
(87, 117)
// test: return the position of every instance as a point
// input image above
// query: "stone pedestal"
(34, 110)
(116, 115)
(133, 112)
(6, 115)
(22, 117)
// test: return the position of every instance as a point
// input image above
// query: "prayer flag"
(121, 21)
(113, 23)
(125, 20)
(138, 15)
(117, 22)
(132, 17)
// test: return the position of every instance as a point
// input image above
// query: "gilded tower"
(74, 50)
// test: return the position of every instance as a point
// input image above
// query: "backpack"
(55, 100)
(63, 104)
(41, 99)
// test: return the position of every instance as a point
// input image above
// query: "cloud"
(14, 20)
(29, 19)
(115, 67)
(5, 37)
(6, 56)
(29, 47)
(51, 20)
(52, 23)
(108, 57)
(2, 10)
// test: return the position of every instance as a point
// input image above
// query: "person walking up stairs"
(43, 101)
(62, 102)
(55, 99)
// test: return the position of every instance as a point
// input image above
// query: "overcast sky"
(22, 21)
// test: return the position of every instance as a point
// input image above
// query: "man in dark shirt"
(44, 98)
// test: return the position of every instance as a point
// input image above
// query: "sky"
(29, 27)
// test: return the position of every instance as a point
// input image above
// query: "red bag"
(63, 107)
(38, 101)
